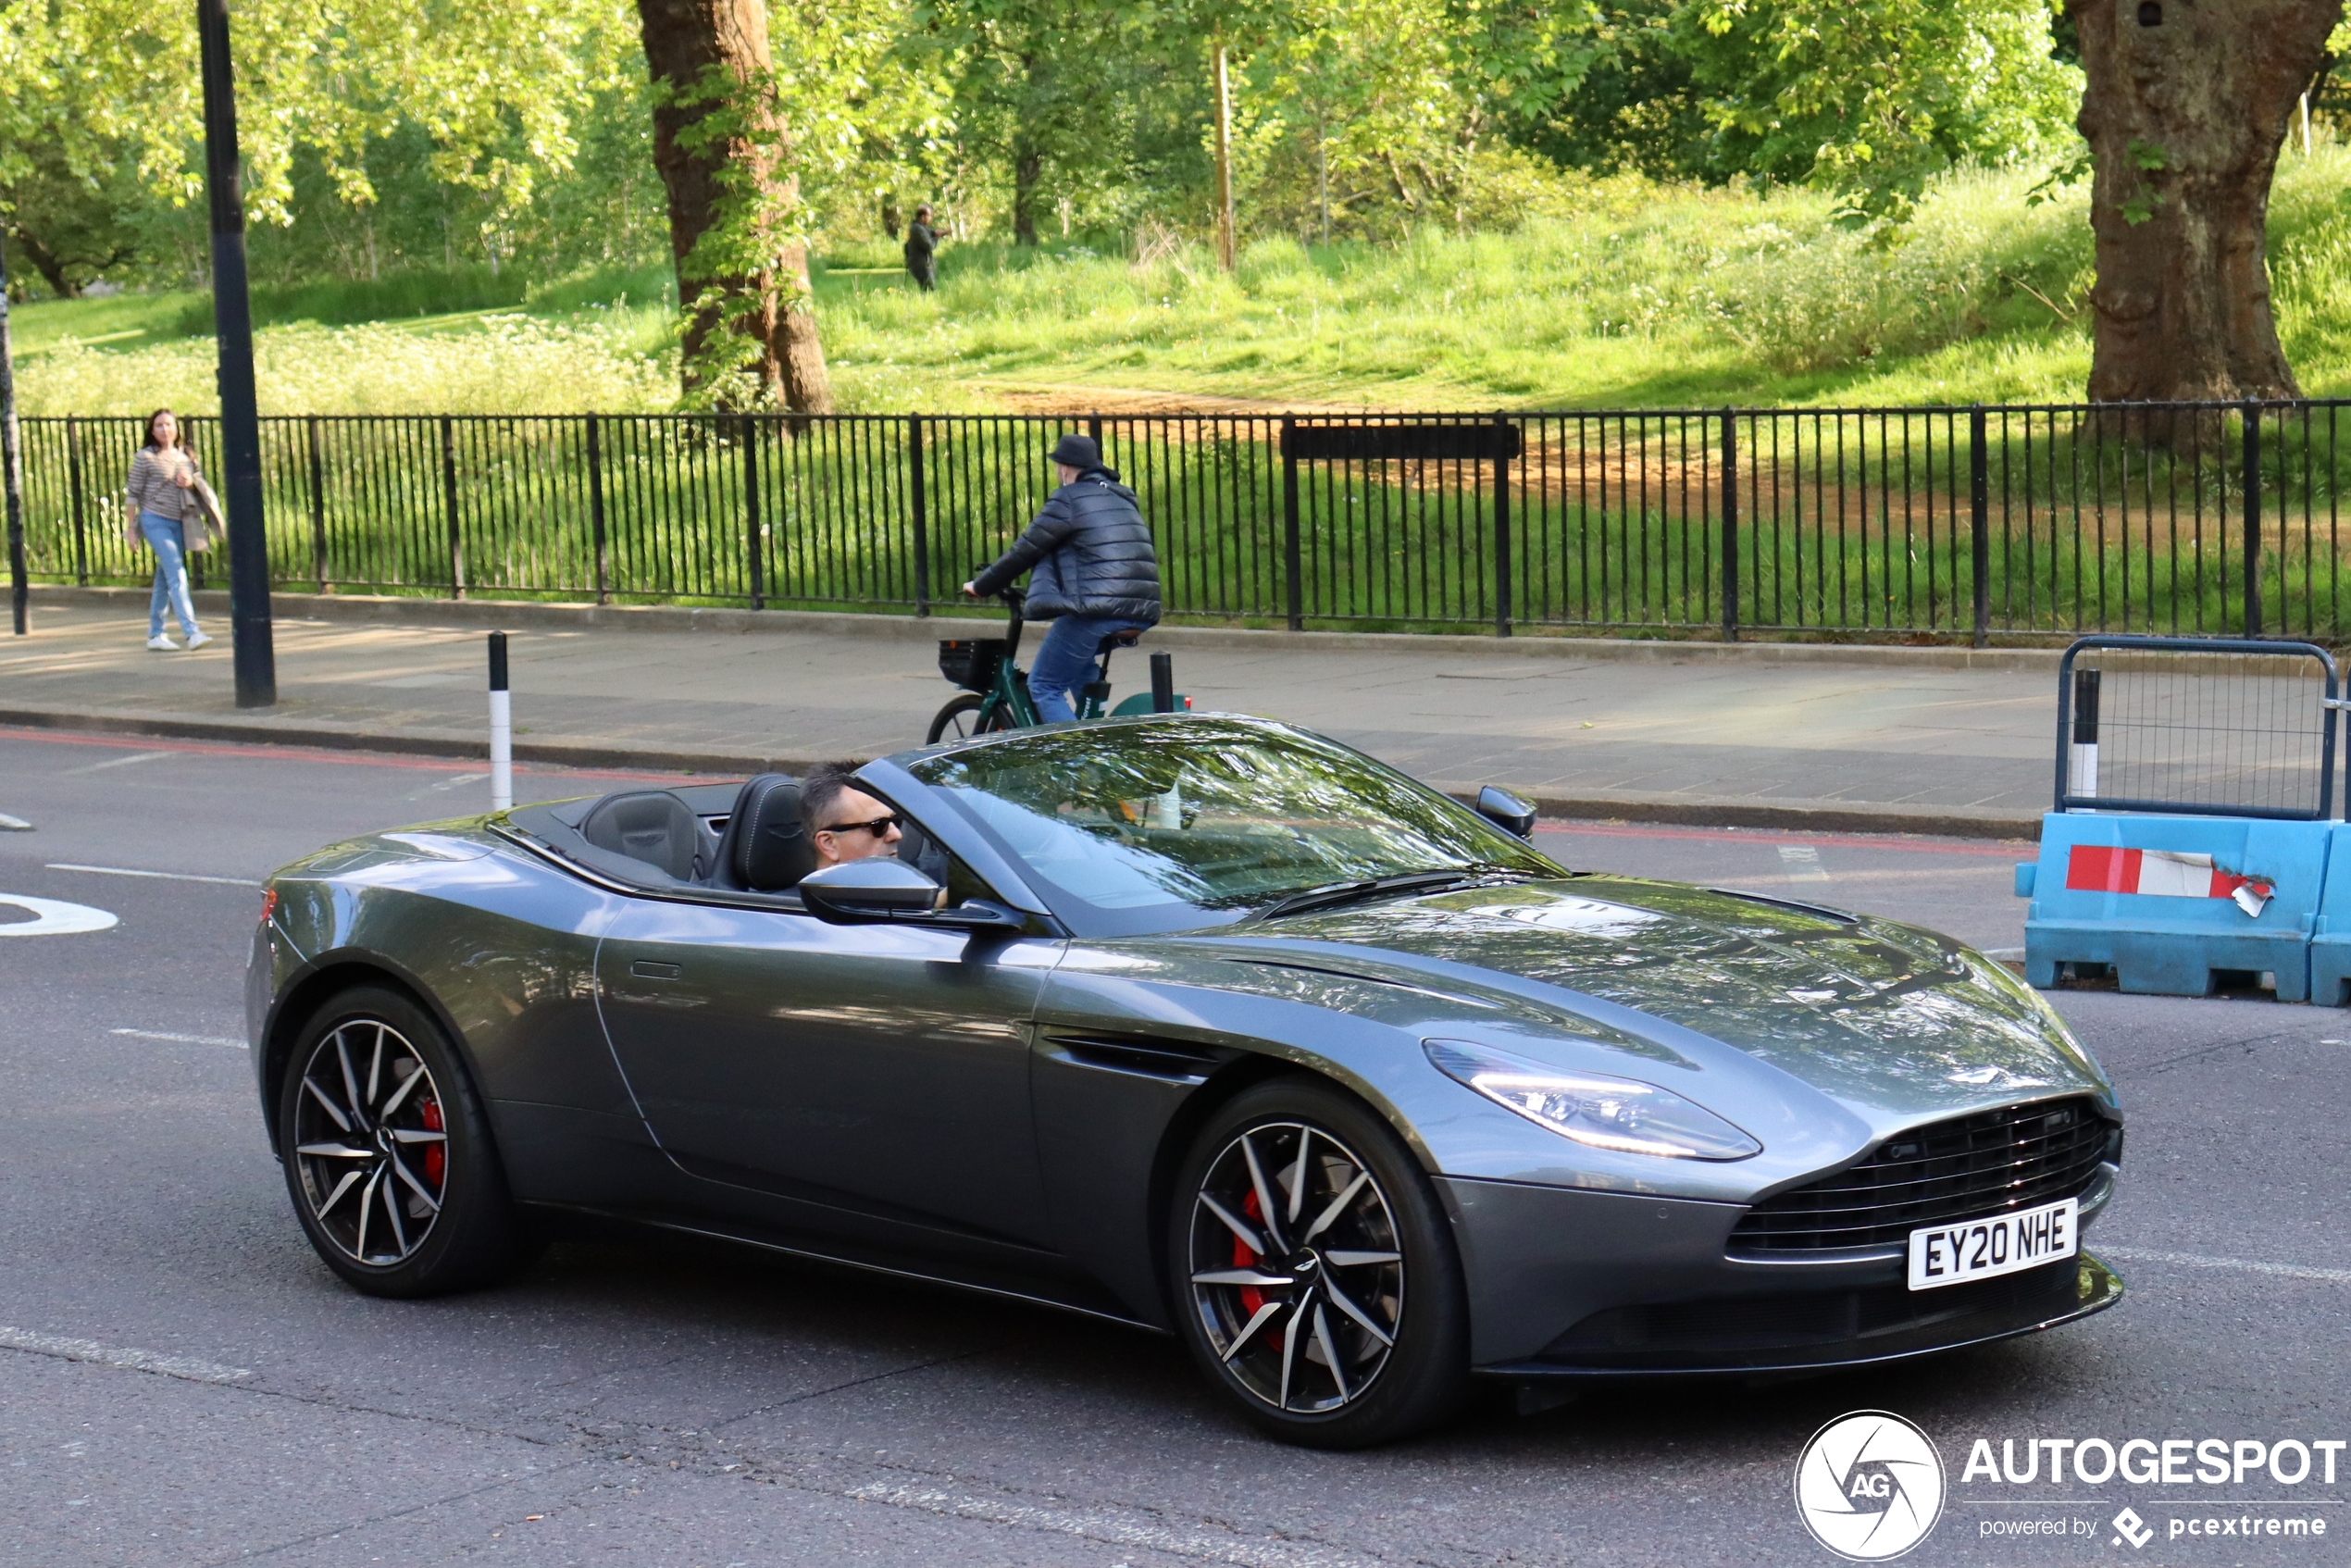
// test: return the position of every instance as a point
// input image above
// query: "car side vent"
(1174, 1061)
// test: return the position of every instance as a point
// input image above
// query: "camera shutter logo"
(1868, 1486)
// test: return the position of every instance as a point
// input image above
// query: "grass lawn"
(1656, 296)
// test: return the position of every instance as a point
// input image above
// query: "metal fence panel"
(1912, 524)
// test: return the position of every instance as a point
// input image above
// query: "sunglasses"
(879, 826)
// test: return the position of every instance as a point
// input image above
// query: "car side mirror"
(1506, 810)
(855, 891)
(882, 890)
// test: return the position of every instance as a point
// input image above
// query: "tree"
(94, 88)
(1873, 99)
(2185, 105)
(721, 145)
(72, 227)
(1036, 86)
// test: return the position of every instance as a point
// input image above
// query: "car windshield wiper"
(1384, 887)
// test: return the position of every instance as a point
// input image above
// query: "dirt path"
(1057, 397)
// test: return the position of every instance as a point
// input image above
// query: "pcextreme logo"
(1868, 1486)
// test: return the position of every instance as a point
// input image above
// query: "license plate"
(1953, 1254)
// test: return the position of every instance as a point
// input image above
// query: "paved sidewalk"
(1712, 739)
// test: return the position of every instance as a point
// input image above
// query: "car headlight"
(1624, 1114)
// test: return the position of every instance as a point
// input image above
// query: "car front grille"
(1728, 1329)
(1987, 1164)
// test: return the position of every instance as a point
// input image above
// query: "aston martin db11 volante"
(1206, 1023)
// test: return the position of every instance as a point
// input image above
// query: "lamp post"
(257, 661)
(11, 455)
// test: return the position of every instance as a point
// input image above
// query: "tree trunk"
(1028, 151)
(889, 216)
(48, 263)
(2185, 106)
(1029, 172)
(734, 274)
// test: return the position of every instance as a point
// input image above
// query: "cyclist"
(1092, 571)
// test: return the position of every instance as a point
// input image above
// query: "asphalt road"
(183, 1383)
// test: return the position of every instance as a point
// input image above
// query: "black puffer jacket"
(1092, 555)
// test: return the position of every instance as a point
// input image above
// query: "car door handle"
(648, 969)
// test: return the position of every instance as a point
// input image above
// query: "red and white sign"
(2167, 873)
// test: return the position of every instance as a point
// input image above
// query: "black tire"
(958, 719)
(391, 1168)
(1341, 1299)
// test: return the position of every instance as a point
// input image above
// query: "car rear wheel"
(1315, 1277)
(387, 1154)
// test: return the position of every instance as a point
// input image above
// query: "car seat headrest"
(652, 826)
(766, 849)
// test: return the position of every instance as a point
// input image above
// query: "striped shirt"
(151, 487)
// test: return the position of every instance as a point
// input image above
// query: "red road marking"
(325, 754)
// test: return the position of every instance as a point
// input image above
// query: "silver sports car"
(1206, 1023)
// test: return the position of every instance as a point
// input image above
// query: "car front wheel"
(1315, 1276)
(387, 1154)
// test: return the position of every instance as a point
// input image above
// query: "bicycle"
(995, 689)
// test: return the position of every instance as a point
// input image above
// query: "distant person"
(845, 823)
(922, 250)
(165, 506)
(1095, 573)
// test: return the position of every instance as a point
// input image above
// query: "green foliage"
(1643, 294)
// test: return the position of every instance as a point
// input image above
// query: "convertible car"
(1205, 1024)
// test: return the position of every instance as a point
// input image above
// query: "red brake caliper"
(436, 1154)
(1251, 1296)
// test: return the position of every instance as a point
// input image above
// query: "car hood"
(1884, 1017)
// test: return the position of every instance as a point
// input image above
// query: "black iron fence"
(1960, 524)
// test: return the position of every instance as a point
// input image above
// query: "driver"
(845, 823)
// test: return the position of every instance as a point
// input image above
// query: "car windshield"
(1157, 826)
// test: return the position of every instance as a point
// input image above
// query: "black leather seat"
(1125, 638)
(765, 848)
(652, 826)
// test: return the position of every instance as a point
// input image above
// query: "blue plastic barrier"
(2330, 935)
(2123, 890)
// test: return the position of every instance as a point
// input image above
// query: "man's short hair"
(822, 790)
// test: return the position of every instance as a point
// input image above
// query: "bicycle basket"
(972, 665)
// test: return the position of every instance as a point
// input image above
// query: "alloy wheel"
(371, 1142)
(1297, 1274)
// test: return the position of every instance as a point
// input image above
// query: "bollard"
(2085, 732)
(501, 728)
(1162, 683)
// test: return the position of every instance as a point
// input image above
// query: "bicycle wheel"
(962, 717)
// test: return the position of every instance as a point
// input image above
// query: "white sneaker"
(162, 645)
(198, 640)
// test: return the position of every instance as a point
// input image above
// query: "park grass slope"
(1646, 296)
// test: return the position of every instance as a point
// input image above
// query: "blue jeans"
(171, 575)
(1066, 663)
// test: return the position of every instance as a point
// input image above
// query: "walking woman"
(166, 508)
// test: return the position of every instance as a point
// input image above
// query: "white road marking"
(114, 762)
(180, 1040)
(162, 875)
(53, 917)
(114, 1355)
(14, 823)
(1113, 1525)
(1803, 863)
(2245, 1266)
